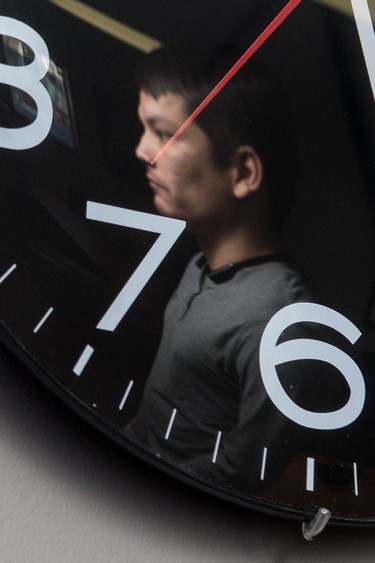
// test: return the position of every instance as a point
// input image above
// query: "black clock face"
(201, 290)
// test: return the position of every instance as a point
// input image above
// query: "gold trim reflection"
(346, 7)
(109, 25)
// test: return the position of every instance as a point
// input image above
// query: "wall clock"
(187, 236)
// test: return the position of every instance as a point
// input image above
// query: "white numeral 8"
(27, 78)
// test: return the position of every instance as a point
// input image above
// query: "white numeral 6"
(273, 354)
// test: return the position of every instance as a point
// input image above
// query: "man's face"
(185, 181)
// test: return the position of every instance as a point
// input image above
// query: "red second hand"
(279, 19)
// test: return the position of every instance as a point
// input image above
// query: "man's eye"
(163, 136)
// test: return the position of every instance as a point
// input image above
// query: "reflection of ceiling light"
(109, 25)
(346, 7)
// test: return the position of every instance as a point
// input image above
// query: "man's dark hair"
(250, 110)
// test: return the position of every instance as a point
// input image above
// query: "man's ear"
(249, 171)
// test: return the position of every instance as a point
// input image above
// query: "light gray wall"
(68, 495)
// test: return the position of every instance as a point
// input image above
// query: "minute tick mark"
(7, 273)
(43, 320)
(83, 359)
(167, 434)
(355, 474)
(310, 474)
(214, 457)
(264, 461)
(126, 395)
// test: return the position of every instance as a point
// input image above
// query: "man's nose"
(143, 150)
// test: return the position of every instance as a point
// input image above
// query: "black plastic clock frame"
(80, 267)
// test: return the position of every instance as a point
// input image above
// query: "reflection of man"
(229, 176)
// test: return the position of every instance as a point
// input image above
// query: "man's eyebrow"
(157, 120)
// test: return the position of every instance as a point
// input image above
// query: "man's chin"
(162, 211)
(165, 211)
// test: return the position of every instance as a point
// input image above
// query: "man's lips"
(154, 183)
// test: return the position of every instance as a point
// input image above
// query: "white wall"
(68, 495)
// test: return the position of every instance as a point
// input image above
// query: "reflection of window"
(55, 81)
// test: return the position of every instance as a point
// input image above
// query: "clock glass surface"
(187, 235)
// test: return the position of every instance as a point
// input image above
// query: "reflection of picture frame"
(56, 82)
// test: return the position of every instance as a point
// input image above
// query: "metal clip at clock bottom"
(316, 525)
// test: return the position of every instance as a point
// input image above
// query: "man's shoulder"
(256, 294)
(277, 279)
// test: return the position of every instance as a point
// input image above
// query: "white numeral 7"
(169, 229)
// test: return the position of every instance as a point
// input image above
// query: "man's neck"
(232, 249)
